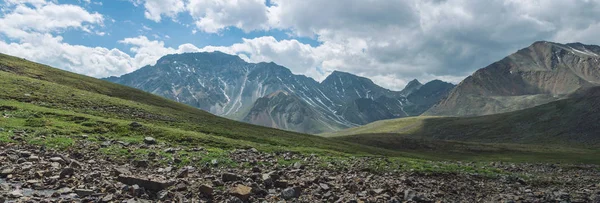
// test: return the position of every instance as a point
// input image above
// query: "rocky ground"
(33, 173)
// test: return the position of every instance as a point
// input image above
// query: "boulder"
(241, 191)
(152, 185)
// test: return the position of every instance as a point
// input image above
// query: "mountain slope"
(574, 121)
(538, 74)
(286, 111)
(227, 86)
(65, 102)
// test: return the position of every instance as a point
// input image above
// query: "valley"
(93, 140)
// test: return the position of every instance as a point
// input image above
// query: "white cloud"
(93, 61)
(155, 9)
(215, 15)
(46, 17)
(389, 41)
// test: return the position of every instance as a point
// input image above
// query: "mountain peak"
(411, 87)
(214, 57)
(340, 75)
(414, 83)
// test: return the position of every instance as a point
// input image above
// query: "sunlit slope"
(570, 122)
(35, 85)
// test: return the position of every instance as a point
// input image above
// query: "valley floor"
(96, 169)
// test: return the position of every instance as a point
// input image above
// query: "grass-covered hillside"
(55, 108)
(565, 126)
(65, 104)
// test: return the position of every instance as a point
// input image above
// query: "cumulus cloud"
(391, 41)
(155, 9)
(215, 15)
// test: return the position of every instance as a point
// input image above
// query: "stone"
(84, 192)
(183, 173)
(409, 194)
(124, 144)
(106, 144)
(228, 177)
(289, 193)
(281, 184)
(149, 140)
(141, 163)
(214, 162)
(121, 171)
(135, 125)
(33, 158)
(324, 186)
(15, 194)
(107, 198)
(234, 200)
(152, 185)
(57, 160)
(206, 190)
(64, 190)
(241, 191)
(25, 154)
(298, 165)
(67, 172)
(6, 172)
(170, 150)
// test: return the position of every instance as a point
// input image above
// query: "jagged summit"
(227, 86)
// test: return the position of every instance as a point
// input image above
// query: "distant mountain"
(228, 86)
(541, 73)
(568, 122)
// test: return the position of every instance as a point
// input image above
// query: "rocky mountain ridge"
(538, 74)
(227, 86)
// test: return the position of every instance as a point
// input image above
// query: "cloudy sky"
(389, 41)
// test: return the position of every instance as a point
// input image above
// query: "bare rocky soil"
(82, 174)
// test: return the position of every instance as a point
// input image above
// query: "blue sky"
(129, 21)
(391, 42)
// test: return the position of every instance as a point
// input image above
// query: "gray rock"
(409, 194)
(67, 172)
(298, 165)
(228, 177)
(141, 163)
(241, 191)
(25, 154)
(135, 125)
(170, 150)
(324, 186)
(206, 190)
(57, 160)
(64, 190)
(106, 144)
(84, 192)
(121, 171)
(107, 198)
(15, 194)
(33, 158)
(289, 193)
(6, 172)
(234, 200)
(152, 185)
(149, 140)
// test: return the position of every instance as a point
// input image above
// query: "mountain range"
(271, 95)
(538, 74)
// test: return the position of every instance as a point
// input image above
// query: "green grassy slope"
(569, 122)
(52, 94)
(560, 130)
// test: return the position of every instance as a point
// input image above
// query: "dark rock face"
(541, 73)
(227, 86)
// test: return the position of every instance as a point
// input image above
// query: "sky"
(388, 41)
